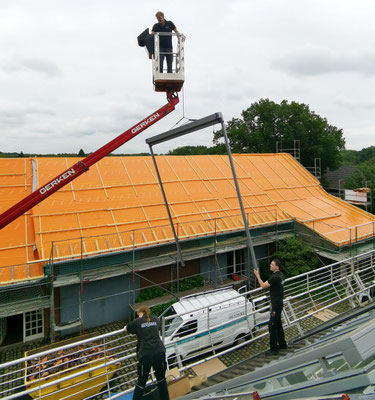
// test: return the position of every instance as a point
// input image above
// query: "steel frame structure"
(216, 118)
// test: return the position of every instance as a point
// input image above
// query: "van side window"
(188, 328)
(261, 304)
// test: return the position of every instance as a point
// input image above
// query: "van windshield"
(171, 325)
(168, 312)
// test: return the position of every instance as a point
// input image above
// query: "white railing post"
(209, 329)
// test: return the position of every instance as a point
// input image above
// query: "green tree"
(265, 122)
(349, 157)
(366, 154)
(363, 176)
(81, 153)
(198, 150)
(296, 256)
(189, 150)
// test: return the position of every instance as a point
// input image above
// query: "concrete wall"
(108, 300)
(208, 267)
(69, 307)
(104, 301)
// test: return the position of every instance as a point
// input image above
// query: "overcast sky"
(72, 75)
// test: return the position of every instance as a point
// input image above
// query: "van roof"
(195, 302)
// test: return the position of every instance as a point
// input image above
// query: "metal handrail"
(349, 284)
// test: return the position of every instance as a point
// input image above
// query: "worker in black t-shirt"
(276, 286)
(165, 41)
(150, 352)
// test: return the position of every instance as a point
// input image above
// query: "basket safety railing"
(177, 41)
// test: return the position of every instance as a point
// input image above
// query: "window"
(261, 303)
(236, 262)
(171, 325)
(188, 328)
(33, 326)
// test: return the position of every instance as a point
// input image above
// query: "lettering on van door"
(237, 315)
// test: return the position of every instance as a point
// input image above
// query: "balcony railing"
(107, 362)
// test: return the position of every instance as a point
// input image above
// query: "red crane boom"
(82, 166)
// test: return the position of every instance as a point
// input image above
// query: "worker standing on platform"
(165, 41)
(276, 286)
(150, 352)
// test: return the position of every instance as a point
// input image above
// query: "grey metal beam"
(179, 252)
(172, 134)
(239, 198)
(191, 127)
(202, 123)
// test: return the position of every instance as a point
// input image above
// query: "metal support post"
(80, 292)
(245, 221)
(179, 252)
(52, 299)
(80, 305)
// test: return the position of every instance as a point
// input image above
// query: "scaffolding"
(82, 268)
(307, 296)
(295, 151)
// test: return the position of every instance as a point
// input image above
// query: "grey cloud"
(12, 118)
(40, 111)
(38, 65)
(79, 134)
(319, 61)
(349, 105)
(90, 127)
(16, 116)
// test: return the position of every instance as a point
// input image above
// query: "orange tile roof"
(16, 240)
(118, 203)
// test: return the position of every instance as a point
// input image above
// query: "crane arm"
(82, 166)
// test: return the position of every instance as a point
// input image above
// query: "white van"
(200, 322)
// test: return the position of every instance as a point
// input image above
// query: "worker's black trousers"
(158, 363)
(277, 338)
(168, 57)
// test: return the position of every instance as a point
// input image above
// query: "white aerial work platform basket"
(169, 81)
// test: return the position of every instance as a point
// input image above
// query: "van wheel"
(240, 339)
(172, 361)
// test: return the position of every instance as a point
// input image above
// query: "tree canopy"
(296, 258)
(354, 157)
(363, 176)
(197, 150)
(265, 122)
